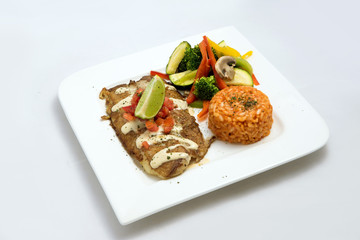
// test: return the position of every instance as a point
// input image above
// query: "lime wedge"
(152, 99)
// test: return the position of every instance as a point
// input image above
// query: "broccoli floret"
(182, 65)
(194, 59)
(191, 60)
(205, 88)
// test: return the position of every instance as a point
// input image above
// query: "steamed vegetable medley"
(205, 69)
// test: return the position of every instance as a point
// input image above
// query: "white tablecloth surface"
(48, 189)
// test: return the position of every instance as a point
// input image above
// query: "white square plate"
(297, 130)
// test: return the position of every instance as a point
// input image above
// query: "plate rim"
(124, 215)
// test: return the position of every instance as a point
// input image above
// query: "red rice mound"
(240, 114)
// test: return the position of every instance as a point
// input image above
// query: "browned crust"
(143, 156)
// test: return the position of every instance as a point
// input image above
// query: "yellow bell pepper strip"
(224, 51)
(219, 81)
(247, 55)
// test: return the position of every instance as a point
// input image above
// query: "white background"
(48, 189)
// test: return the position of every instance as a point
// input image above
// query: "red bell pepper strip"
(162, 75)
(203, 71)
(256, 83)
(203, 117)
(204, 68)
(204, 111)
(191, 97)
(219, 81)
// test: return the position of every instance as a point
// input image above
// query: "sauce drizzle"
(156, 137)
(123, 103)
(179, 103)
(134, 125)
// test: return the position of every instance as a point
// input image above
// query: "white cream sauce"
(131, 89)
(156, 137)
(163, 156)
(126, 101)
(170, 87)
(180, 104)
(159, 137)
(191, 111)
(123, 103)
(176, 130)
(134, 125)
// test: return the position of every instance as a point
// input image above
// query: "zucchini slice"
(222, 43)
(243, 64)
(241, 78)
(176, 57)
(183, 79)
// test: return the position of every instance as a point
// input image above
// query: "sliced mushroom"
(225, 67)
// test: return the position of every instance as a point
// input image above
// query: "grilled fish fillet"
(185, 143)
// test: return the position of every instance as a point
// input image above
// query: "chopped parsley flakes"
(242, 102)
